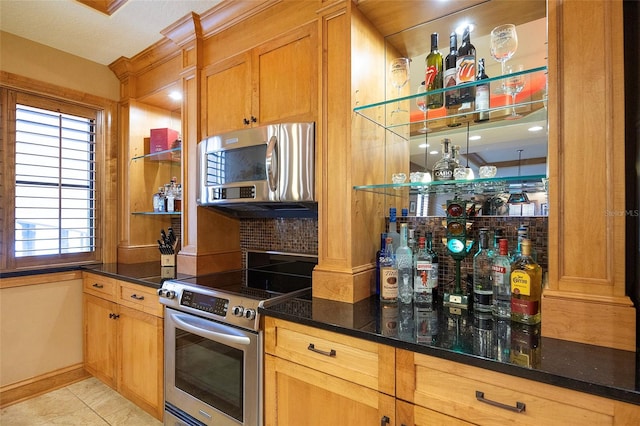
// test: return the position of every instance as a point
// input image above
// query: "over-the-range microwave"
(267, 168)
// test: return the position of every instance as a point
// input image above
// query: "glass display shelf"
(158, 213)
(172, 155)
(532, 97)
(488, 186)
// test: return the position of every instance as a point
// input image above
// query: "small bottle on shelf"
(433, 74)
(526, 287)
(451, 100)
(404, 262)
(388, 274)
(482, 279)
(501, 270)
(482, 95)
(443, 169)
(159, 201)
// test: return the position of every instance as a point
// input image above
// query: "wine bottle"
(449, 75)
(433, 74)
(482, 94)
(466, 71)
(526, 287)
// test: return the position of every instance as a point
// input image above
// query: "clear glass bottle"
(422, 266)
(404, 262)
(523, 233)
(501, 269)
(443, 169)
(433, 271)
(433, 74)
(526, 287)
(388, 274)
(393, 228)
(158, 200)
(482, 279)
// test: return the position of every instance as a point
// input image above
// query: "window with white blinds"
(55, 205)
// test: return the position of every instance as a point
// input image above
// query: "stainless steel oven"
(213, 341)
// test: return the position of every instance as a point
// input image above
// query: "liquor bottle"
(433, 74)
(466, 71)
(433, 272)
(158, 200)
(404, 262)
(526, 287)
(388, 274)
(523, 233)
(422, 294)
(501, 269)
(393, 228)
(451, 100)
(379, 256)
(455, 152)
(443, 169)
(482, 280)
(494, 251)
(482, 94)
(411, 242)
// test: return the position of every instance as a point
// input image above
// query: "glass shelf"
(172, 154)
(489, 186)
(157, 213)
(533, 97)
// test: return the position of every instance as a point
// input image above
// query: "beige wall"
(37, 61)
(40, 329)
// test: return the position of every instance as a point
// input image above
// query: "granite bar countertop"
(475, 339)
(149, 274)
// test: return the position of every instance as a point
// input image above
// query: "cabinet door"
(100, 339)
(227, 97)
(140, 359)
(413, 415)
(295, 395)
(285, 77)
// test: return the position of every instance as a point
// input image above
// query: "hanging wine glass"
(504, 43)
(421, 103)
(399, 76)
(512, 85)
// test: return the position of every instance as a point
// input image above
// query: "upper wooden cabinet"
(274, 82)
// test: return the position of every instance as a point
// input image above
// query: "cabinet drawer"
(355, 360)
(485, 397)
(99, 285)
(139, 297)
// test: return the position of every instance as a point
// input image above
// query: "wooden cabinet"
(123, 341)
(437, 387)
(274, 82)
(316, 377)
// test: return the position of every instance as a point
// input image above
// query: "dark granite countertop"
(478, 340)
(149, 274)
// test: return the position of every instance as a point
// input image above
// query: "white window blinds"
(55, 209)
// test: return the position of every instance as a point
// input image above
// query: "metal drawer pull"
(96, 285)
(135, 296)
(519, 408)
(384, 421)
(312, 348)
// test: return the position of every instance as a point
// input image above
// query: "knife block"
(167, 260)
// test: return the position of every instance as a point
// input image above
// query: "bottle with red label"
(526, 287)
(433, 74)
(466, 71)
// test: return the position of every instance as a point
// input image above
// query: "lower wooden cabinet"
(124, 347)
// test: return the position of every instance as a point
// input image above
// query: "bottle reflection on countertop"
(526, 350)
(405, 322)
(389, 319)
(503, 339)
(426, 324)
(483, 335)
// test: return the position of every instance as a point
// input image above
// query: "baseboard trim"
(26, 389)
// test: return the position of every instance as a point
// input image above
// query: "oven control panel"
(206, 303)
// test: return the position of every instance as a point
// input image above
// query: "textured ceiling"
(78, 29)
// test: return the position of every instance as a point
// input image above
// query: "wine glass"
(504, 43)
(512, 85)
(399, 76)
(421, 102)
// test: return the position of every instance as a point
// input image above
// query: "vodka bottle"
(482, 280)
(501, 269)
(388, 274)
(393, 228)
(404, 259)
(443, 169)
(421, 292)
(526, 287)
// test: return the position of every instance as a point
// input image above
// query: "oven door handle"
(203, 328)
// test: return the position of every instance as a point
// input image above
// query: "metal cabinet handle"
(135, 296)
(312, 348)
(114, 316)
(96, 285)
(384, 421)
(245, 121)
(519, 408)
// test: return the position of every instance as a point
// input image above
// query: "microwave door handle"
(272, 163)
(202, 328)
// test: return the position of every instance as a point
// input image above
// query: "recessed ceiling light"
(433, 152)
(475, 138)
(423, 145)
(535, 128)
(176, 96)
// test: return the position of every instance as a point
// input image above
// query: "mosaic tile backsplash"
(281, 234)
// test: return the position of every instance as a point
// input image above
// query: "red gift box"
(162, 140)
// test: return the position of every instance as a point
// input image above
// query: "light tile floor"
(87, 403)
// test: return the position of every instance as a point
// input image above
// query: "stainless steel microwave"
(268, 164)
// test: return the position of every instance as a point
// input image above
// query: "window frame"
(71, 102)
